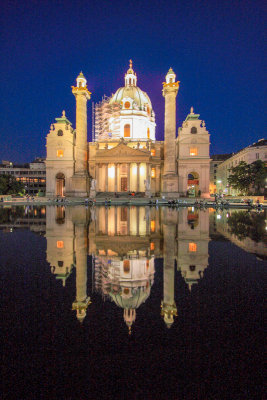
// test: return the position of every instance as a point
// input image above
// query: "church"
(124, 155)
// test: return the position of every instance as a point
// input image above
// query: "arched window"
(148, 133)
(60, 132)
(147, 109)
(127, 130)
(193, 129)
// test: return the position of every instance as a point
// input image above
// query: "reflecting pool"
(132, 302)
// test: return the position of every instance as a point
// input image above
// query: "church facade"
(124, 155)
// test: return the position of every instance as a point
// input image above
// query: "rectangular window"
(126, 266)
(193, 151)
(60, 244)
(152, 246)
(60, 153)
(192, 247)
(152, 226)
(153, 152)
(257, 156)
(153, 172)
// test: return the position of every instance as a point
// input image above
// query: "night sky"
(215, 47)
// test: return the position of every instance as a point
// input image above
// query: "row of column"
(136, 219)
(128, 168)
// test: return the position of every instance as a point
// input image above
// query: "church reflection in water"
(124, 243)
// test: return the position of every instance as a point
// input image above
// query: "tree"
(246, 177)
(258, 172)
(243, 224)
(9, 185)
(240, 178)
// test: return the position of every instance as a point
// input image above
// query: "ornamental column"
(82, 300)
(81, 94)
(169, 92)
(116, 178)
(128, 177)
(168, 306)
(106, 177)
(80, 178)
(138, 178)
(97, 177)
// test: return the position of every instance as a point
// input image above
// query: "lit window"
(153, 172)
(60, 244)
(126, 291)
(153, 152)
(126, 266)
(60, 153)
(152, 226)
(127, 130)
(147, 264)
(148, 133)
(193, 151)
(152, 246)
(127, 104)
(147, 109)
(192, 247)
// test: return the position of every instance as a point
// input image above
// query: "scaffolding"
(105, 119)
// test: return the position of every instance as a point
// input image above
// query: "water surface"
(132, 303)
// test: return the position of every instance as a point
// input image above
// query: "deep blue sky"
(214, 46)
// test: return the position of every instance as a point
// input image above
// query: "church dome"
(138, 296)
(139, 97)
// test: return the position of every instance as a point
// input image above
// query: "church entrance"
(193, 184)
(124, 184)
(60, 184)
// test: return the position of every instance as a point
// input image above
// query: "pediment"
(122, 151)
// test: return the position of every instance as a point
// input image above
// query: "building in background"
(125, 155)
(216, 160)
(254, 152)
(32, 175)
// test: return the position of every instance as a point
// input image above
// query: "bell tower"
(80, 180)
(170, 177)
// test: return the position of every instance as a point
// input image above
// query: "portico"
(129, 173)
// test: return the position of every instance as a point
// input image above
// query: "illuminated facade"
(125, 155)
